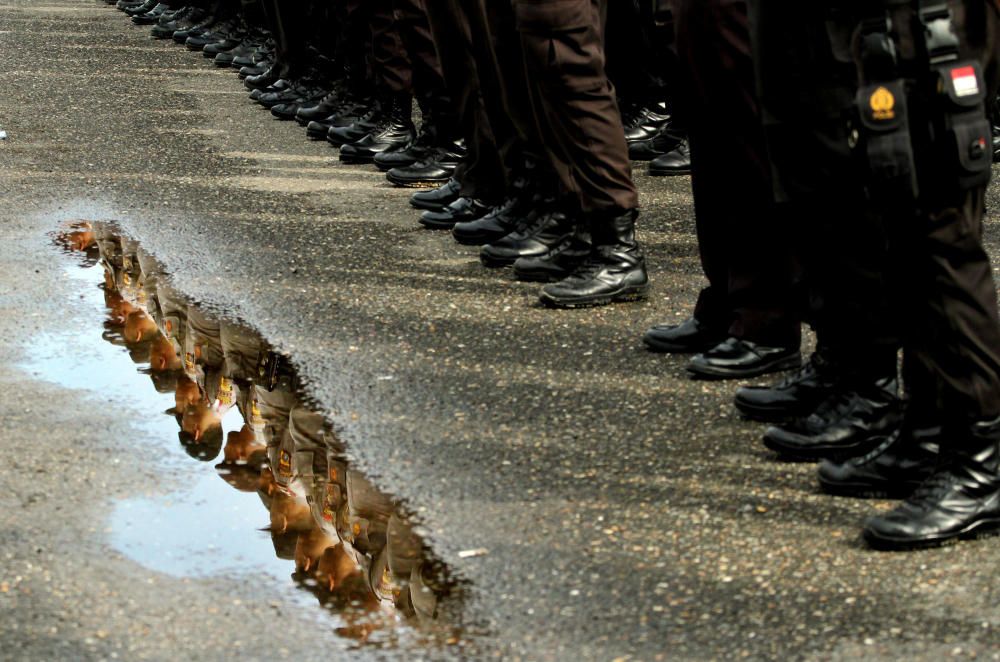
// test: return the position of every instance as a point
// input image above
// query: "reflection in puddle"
(287, 499)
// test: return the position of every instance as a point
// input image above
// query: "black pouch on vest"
(964, 136)
(886, 142)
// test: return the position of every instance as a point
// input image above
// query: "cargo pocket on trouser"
(562, 44)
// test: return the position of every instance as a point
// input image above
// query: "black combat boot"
(894, 470)
(961, 498)
(558, 263)
(518, 210)
(851, 421)
(795, 396)
(419, 148)
(533, 239)
(393, 132)
(615, 270)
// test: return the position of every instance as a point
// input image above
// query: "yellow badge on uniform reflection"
(226, 395)
(285, 464)
(883, 104)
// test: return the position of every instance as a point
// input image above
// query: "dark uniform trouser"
(390, 64)
(746, 251)
(404, 57)
(639, 62)
(483, 64)
(574, 103)
(289, 26)
(414, 30)
(354, 45)
(929, 269)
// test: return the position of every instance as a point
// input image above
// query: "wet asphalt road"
(628, 512)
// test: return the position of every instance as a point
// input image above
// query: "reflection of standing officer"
(901, 88)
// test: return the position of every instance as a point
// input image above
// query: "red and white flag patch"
(965, 81)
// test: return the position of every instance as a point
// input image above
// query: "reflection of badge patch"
(255, 415)
(883, 104)
(126, 279)
(334, 474)
(965, 81)
(188, 362)
(285, 464)
(127, 263)
(225, 392)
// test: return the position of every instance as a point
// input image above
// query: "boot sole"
(980, 529)
(863, 491)
(429, 184)
(669, 348)
(817, 453)
(764, 415)
(634, 293)
(708, 372)
(497, 262)
(427, 206)
(668, 173)
(539, 276)
(481, 240)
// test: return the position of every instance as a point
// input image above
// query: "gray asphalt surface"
(628, 512)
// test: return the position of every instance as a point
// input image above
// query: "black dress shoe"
(535, 239)
(203, 26)
(961, 498)
(894, 470)
(278, 86)
(389, 136)
(317, 129)
(435, 169)
(403, 158)
(646, 122)
(797, 395)
(558, 263)
(614, 271)
(144, 8)
(264, 80)
(439, 198)
(322, 109)
(849, 423)
(689, 337)
(735, 358)
(298, 93)
(462, 209)
(665, 140)
(394, 130)
(152, 16)
(362, 126)
(676, 162)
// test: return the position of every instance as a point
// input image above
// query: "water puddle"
(268, 493)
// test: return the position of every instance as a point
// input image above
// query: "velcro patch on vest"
(965, 81)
